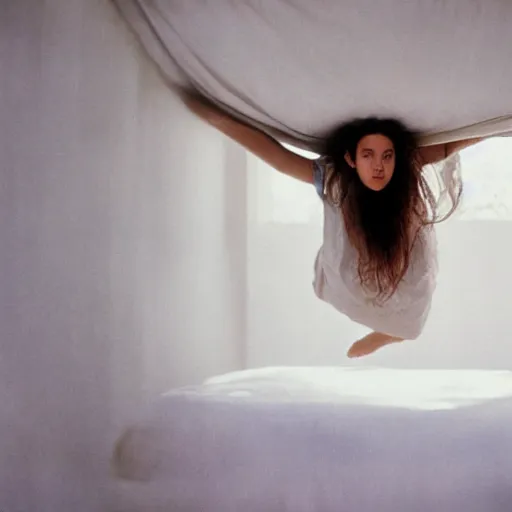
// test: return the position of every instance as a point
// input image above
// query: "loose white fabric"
(337, 282)
(297, 68)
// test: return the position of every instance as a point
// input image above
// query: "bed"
(323, 439)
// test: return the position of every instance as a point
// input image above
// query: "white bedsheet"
(322, 440)
(296, 68)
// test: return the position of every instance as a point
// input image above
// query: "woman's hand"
(204, 108)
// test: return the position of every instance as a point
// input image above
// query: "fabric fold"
(296, 71)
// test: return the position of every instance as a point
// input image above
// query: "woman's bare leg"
(370, 343)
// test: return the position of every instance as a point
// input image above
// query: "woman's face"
(375, 161)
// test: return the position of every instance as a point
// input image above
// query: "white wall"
(122, 248)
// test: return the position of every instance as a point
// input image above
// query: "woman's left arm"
(439, 152)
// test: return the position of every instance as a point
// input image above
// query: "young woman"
(378, 261)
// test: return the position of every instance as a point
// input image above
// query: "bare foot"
(370, 343)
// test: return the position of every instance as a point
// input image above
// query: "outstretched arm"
(255, 141)
(437, 153)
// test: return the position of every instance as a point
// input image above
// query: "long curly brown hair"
(383, 226)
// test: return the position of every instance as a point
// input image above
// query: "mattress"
(323, 439)
(297, 68)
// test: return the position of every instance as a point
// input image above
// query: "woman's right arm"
(255, 141)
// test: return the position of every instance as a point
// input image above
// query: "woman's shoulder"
(322, 168)
(324, 162)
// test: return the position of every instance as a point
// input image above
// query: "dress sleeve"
(319, 166)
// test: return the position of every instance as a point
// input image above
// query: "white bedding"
(322, 440)
(296, 68)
